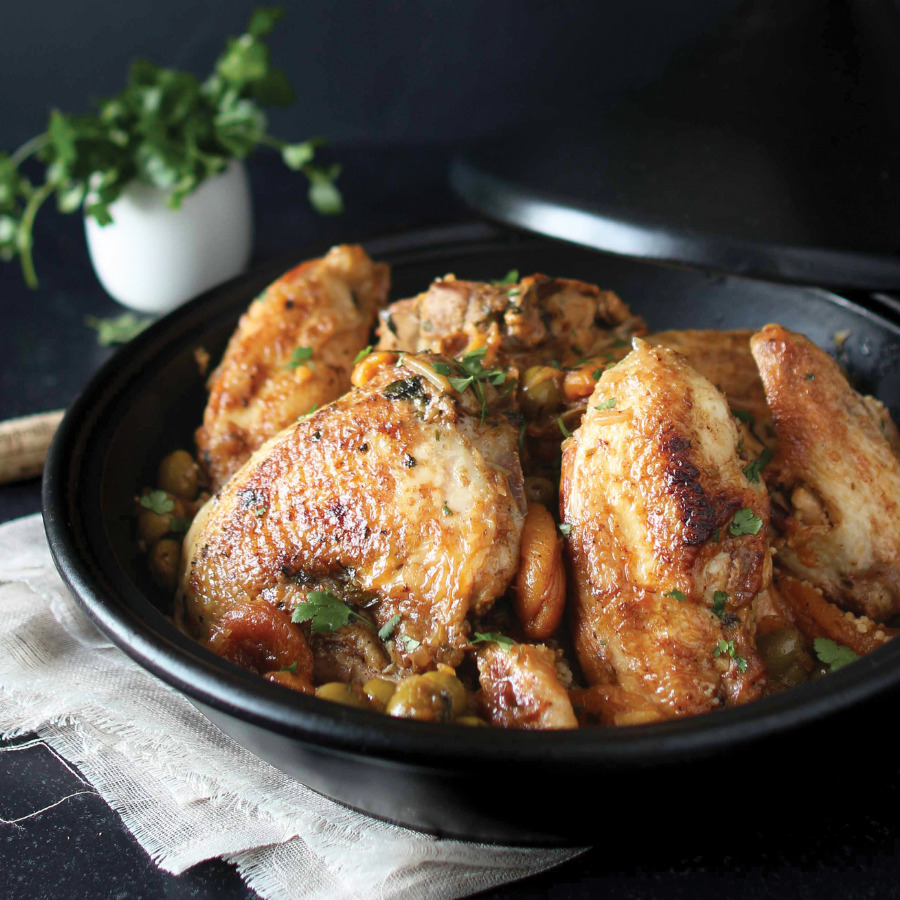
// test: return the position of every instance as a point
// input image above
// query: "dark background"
(396, 87)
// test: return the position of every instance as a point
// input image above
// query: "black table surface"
(79, 848)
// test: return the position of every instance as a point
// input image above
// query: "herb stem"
(26, 226)
(27, 149)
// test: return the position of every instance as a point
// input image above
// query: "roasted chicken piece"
(553, 335)
(521, 687)
(293, 351)
(724, 358)
(836, 471)
(403, 498)
(530, 322)
(667, 541)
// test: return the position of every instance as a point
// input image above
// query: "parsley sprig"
(476, 376)
(834, 655)
(165, 128)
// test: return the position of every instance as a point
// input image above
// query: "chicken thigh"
(293, 350)
(403, 498)
(667, 542)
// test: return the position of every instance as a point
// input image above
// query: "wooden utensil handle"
(24, 443)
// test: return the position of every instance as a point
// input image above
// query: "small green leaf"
(296, 156)
(264, 20)
(720, 600)
(511, 277)
(117, 329)
(834, 655)
(492, 637)
(292, 668)
(442, 368)
(607, 404)
(752, 471)
(745, 522)
(325, 611)
(596, 374)
(675, 594)
(410, 643)
(387, 630)
(460, 384)
(159, 502)
(299, 356)
(446, 509)
(727, 648)
(362, 354)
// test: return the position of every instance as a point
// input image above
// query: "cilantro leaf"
(677, 595)
(158, 501)
(834, 655)
(117, 329)
(745, 522)
(727, 648)
(410, 643)
(720, 599)
(323, 610)
(607, 404)
(362, 354)
(492, 637)
(752, 471)
(387, 630)
(511, 277)
(299, 356)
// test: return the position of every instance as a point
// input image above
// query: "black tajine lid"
(770, 149)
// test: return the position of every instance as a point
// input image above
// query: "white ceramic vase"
(152, 258)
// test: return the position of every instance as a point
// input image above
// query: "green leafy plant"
(167, 129)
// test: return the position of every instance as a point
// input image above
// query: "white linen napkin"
(186, 791)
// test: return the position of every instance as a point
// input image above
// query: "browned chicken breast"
(403, 499)
(293, 351)
(667, 542)
(724, 358)
(837, 473)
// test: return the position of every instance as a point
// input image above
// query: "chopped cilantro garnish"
(326, 612)
(117, 329)
(442, 368)
(745, 522)
(565, 529)
(292, 668)
(299, 356)
(834, 655)
(159, 502)
(752, 471)
(446, 509)
(511, 277)
(677, 595)
(405, 389)
(727, 648)
(362, 354)
(720, 599)
(410, 643)
(607, 404)
(596, 374)
(492, 637)
(387, 630)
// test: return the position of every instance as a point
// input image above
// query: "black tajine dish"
(490, 784)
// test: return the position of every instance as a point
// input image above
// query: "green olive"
(164, 559)
(152, 526)
(379, 691)
(432, 697)
(785, 656)
(473, 721)
(540, 391)
(346, 694)
(541, 490)
(179, 474)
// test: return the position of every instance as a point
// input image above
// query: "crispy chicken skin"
(398, 497)
(327, 305)
(531, 322)
(724, 358)
(837, 471)
(521, 688)
(651, 483)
